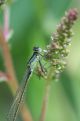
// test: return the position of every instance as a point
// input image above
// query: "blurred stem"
(45, 102)
(13, 83)
(6, 18)
(46, 95)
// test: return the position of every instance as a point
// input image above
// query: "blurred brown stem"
(13, 83)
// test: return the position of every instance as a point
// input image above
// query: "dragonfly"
(12, 115)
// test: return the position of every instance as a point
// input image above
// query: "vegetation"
(52, 94)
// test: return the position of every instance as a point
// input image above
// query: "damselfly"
(20, 93)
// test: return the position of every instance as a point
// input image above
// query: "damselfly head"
(2, 2)
(37, 49)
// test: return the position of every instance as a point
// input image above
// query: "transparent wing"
(18, 98)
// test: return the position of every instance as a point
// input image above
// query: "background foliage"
(33, 21)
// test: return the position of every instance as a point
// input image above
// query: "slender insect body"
(19, 96)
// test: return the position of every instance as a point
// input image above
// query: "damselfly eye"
(2, 2)
(37, 49)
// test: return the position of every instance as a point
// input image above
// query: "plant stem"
(46, 95)
(13, 83)
(45, 103)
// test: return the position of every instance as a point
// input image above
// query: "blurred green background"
(33, 21)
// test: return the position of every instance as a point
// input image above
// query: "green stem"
(46, 95)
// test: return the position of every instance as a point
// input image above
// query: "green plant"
(54, 54)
